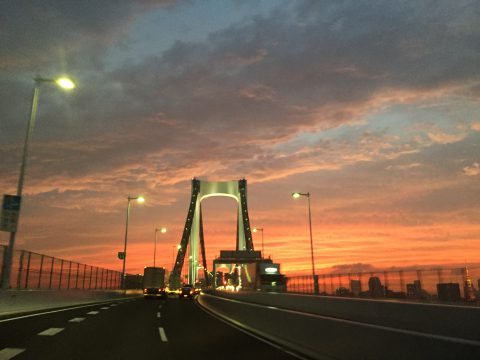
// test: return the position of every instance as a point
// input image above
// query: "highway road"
(129, 329)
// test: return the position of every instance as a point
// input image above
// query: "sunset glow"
(372, 110)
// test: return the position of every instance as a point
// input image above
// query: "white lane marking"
(104, 308)
(76, 320)
(93, 312)
(8, 353)
(162, 334)
(158, 314)
(114, 305)
(51, 331)
(54, 311)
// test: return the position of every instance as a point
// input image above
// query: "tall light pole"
(297, 195)
(163, 231)
(140, 200)
(66, 84)
(256, 230)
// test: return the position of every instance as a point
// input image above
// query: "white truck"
(154, 282)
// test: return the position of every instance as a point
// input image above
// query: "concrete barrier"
(448, 320)
(326, 337)
(18, 301)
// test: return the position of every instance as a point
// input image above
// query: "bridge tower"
(193, 230)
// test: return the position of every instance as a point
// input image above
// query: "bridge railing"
(31, 270)
(420, 284)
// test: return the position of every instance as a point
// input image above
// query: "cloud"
(472, 170)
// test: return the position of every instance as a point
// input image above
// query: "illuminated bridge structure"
(193, 230)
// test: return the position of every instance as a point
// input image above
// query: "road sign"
(121, 255)
(10, 213)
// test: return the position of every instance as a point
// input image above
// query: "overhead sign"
(10, 213)
(269, 268)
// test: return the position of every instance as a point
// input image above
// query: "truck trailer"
(154, 282)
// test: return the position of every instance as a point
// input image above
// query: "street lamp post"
(140, 200)
(297, 195)
(256, 230)
(163, 231)
(66, 84)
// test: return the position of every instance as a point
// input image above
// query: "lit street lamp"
(297, 195)
(66, 84)
(163, 231)
(140, 200)
(256, 230)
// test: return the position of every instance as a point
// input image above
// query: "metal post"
(61, 274)
(155, 247)
(28, 269)
(51, 274)
(96, 277)
(125, 244)
(90, 278)
(40, 272)
(76, 277)
(20, 269)
(11, 244)
(69, 274)
(84, 275)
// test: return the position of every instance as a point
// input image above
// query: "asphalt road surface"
(130, 329)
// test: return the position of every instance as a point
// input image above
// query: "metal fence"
(37, 271)
(437, 284)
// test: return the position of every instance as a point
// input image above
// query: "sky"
(373, 107)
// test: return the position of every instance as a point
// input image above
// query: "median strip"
(162, 334)
(51, 331)
(8, 353)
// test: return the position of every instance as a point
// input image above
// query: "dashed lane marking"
(76, 320)
(158, 314)
(159, 306)
(93, 312)
(9, 353)
(114, 305)
(51, 331)
(162, 334)
(104, 308)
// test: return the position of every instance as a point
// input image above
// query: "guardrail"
(457, 284)
(31, 270)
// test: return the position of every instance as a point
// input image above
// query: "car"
(187, 291)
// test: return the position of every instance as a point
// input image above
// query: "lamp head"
(65, 83)
(296, 195)
(140, 199)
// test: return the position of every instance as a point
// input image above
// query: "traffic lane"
(123, 332)
(16, 330)
(193, 333)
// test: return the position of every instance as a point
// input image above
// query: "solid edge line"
(358, 323)
(56, 311)
(162, 334)
(259, 335)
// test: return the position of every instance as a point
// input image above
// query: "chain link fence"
(37, 271)
(439, 284)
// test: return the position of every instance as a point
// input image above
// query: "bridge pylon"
(193, 230)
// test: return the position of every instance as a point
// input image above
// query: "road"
(129, 329)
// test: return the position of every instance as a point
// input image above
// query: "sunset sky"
(371, 106)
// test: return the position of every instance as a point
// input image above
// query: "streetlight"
(163, 231)
(66, 84)
(140, 199)
(297, 195)
(259, 229)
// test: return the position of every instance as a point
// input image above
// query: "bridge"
(60, 309)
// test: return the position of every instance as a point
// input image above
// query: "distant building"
(468, 289)
(414, 290)
(448, 291)
(375, 287)
(356, 287)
